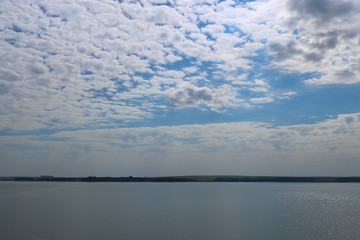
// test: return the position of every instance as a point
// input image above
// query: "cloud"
(37, 68)
(323, 148)
(262, 100)
(187, 95)
(4, 89)
(191, 96)
(320, 37)
(322, 11)
(83, 63)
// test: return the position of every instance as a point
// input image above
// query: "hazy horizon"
(173, 88)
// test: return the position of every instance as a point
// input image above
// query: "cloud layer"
(69, 64)
(326, 148)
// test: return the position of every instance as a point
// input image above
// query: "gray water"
(36, 210)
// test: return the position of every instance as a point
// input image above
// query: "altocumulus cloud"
(76, 62)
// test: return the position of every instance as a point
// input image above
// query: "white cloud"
(190, 70)
(287, 95)
(262, 100)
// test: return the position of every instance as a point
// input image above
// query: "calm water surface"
(36, 210)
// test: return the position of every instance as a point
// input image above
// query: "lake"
(66, 211)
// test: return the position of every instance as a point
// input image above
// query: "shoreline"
(194, 178)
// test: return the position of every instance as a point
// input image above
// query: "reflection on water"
(179, 210)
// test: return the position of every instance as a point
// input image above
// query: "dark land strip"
(200, 178)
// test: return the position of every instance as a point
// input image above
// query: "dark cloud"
(331, 38)
(345, 73)
(320, 28)
(321, 10)
(191, 96)
(351, 34)
(331, 42)
(327, 43)
(37, 69)
(284, 51)
(313, 57)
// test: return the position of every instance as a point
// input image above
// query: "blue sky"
(161, 87)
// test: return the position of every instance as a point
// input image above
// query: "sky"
(167, 87)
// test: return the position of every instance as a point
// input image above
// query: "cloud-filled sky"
(166, 87)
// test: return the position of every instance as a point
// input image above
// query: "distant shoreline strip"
(188, 179)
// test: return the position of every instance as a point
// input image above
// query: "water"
(66, 211)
